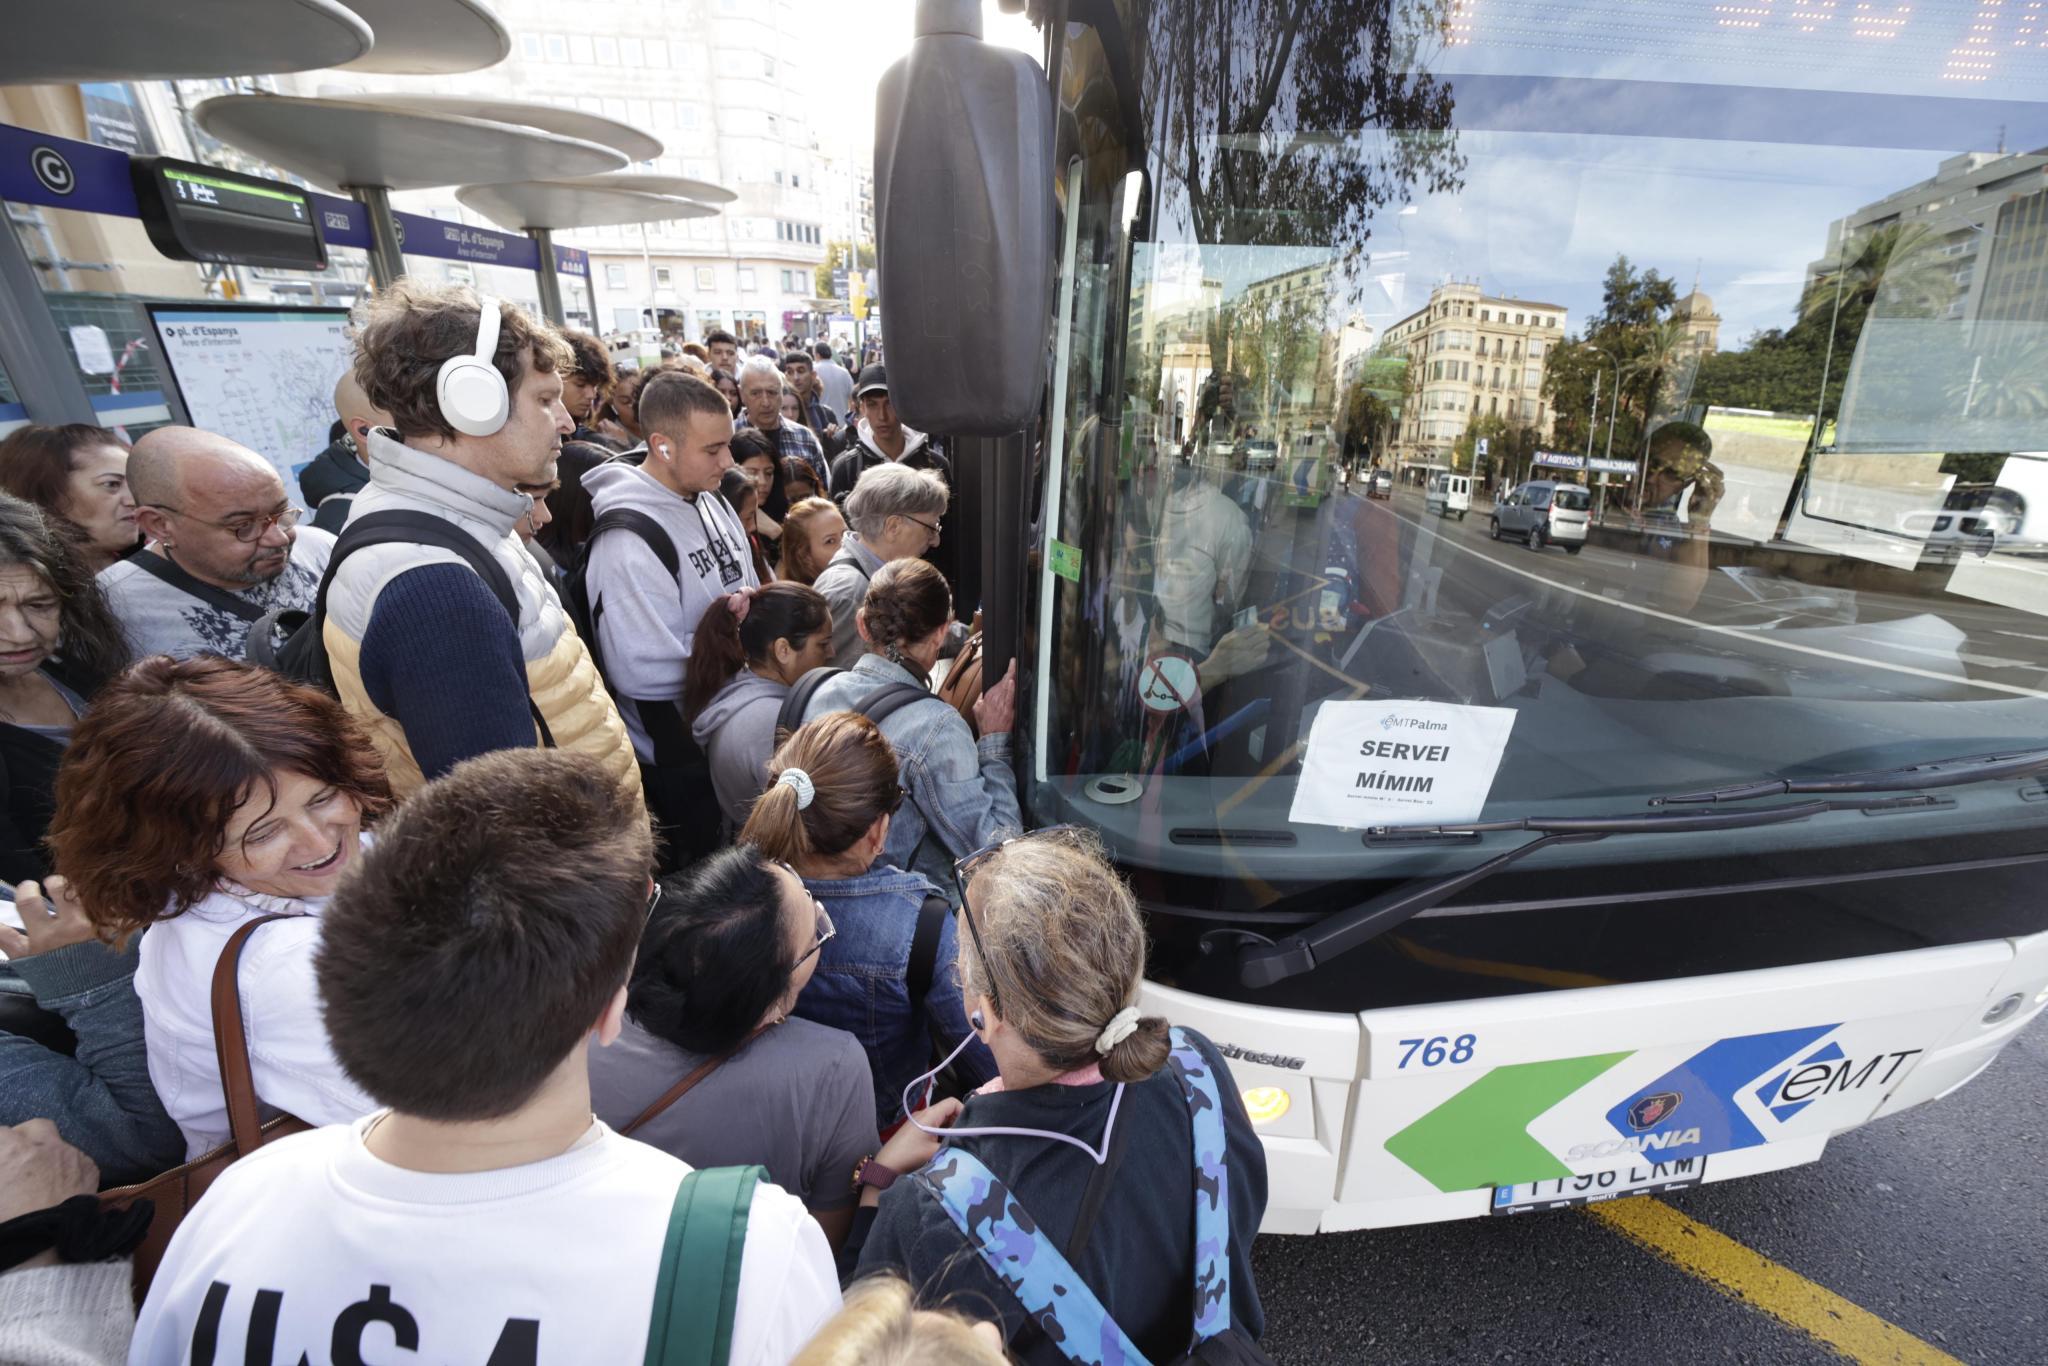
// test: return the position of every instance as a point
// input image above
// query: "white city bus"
(1512, 881)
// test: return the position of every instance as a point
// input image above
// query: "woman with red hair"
(198, 795)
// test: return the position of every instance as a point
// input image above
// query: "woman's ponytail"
(1140, 1053)
(827, 786)
(776, 824)
(715, 656)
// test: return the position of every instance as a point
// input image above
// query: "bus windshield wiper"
(1954, 772)
(1262, 965)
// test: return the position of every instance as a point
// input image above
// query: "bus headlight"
(1265, 1104)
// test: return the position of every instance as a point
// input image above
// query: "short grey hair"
(760, 365)
(894, 490)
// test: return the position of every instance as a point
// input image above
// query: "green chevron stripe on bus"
(1480, 1137)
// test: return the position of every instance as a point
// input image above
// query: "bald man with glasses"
(224, 547)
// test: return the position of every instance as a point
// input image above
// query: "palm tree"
(1662, 357)
(2006, 382)
(1898, 265)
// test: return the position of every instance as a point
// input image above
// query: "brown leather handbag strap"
(682, 1088)
(231, 1041)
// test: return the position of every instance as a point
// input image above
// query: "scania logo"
(1641, 1143)
(1648, 1112)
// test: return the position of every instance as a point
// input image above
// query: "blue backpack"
(1045, 1284)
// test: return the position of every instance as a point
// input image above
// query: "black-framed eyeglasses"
(963, 873)
(248, 531)
(932, 527)
(902, 796)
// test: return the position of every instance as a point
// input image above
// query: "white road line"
(1747, 637)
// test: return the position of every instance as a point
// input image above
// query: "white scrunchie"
(801, 781)
(1121, 1026)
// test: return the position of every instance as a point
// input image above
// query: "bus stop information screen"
(201, 213)
(261, 376)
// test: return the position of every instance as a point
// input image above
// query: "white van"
(1449, 495)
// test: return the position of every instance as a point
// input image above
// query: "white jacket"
(1205, 554)
(294, 1066)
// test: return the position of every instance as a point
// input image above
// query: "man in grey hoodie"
(646, 617)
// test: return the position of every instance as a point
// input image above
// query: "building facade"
(1473, 354)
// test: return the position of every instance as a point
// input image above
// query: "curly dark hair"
(159, 765)
(90, 647)
(405, 331)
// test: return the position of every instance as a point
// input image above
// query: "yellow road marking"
(1758, 1281)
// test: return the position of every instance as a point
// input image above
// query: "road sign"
(1480, 446)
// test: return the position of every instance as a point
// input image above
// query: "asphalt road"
(1932, 1220)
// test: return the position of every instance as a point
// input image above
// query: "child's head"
(488, 931)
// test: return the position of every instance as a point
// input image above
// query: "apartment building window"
(706, 278)
(1520, 320)
(558, 48)
(664, 278)
(608, 51)
(529, 46)
(778, 177)
(1493, 406)
(615, 276)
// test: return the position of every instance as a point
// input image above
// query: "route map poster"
(1399, 763)
(260, 375)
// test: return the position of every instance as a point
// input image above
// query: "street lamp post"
(1613, 407)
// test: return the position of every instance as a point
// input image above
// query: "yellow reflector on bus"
(1264, 1104)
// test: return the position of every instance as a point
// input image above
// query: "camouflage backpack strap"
(1212, 1187)
(1055, 1298)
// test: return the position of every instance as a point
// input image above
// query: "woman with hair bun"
(1052, 974)
(832, 794)
(749, 647)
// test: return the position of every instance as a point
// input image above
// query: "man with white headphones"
(454, 644)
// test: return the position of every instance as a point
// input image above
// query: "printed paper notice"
(1399, 763)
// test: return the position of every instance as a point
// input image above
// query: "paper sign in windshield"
(1399, 763)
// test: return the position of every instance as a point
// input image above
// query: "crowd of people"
(576, 834)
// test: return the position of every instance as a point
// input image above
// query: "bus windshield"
(1765, 303)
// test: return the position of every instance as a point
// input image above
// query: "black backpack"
(303, 655)
(663, 720)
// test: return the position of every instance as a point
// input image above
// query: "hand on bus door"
(996, 712)
(1240, 651)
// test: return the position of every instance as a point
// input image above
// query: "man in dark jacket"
(332, 481)
(882, 439)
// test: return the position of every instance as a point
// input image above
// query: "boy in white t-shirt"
(486, 1216)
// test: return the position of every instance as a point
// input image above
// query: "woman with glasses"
(1114, 1136)
(749, 647)
(832, 798)
(711, 1067)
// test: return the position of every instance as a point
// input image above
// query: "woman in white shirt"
(197, 796)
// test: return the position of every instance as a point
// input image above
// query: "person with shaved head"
(330, 484)
(224, 547)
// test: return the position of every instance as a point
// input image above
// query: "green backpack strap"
(699, 1283)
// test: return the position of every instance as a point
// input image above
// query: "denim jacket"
(101, 1099)
(859, 985)
(962, 792)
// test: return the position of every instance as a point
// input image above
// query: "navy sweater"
(443, 659)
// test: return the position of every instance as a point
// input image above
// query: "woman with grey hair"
(892, 514)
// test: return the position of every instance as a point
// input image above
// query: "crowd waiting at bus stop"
(588, 848)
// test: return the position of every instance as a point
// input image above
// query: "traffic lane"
(1930, 1219)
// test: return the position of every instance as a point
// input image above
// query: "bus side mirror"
(964, 226)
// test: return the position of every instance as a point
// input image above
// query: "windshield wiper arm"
(1262, 965)
(1953, 772)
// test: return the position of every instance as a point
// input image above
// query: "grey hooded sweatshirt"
(737, 730)
(650, 619)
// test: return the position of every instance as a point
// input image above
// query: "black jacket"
(336, 473)
(1140, 1254)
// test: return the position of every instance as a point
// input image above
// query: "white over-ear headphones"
(470, 391)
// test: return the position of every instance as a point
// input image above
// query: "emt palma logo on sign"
(1399, 763)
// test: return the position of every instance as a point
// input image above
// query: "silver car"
(1544, 511)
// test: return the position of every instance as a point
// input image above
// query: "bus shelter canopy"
(573, 204)
(426, 37)
(570, 123)
(136, 40)
(681, 187)
(344, 144)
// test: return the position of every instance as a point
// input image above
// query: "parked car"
(1260, 456)
(1448, 495)
(1380, 484)
(1542, 511)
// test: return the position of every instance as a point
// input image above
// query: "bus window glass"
(1773, 318)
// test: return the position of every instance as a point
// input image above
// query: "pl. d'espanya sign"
(1399, 763)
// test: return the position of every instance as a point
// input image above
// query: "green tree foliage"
(1632, 344)
(835, 257)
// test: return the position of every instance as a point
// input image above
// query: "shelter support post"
(34, 353)
(550, 279)
(387, 252)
